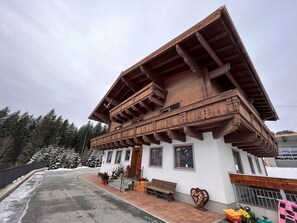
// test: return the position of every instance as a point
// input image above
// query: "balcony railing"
(263, 191)
(146, 99)
(225, 114)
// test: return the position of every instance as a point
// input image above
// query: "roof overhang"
(219, 32)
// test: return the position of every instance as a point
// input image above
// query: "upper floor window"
(156, 157)
(184, 157)
(237, 162)
(258, 165)
(118, 157)
(251, 164)
(109, 155)
(170, 108)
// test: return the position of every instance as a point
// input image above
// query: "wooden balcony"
(147, 99)
(227, 115)
(264, 182)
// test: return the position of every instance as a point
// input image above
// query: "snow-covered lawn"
(283, 172)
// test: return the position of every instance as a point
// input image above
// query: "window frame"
(118, 152)
(250, 160)
(175, 147)
(240, 166)
(170, 108)
(128, 150)
(109, 152)
(258, 165)
(150, 159)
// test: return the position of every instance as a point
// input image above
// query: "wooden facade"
(201, 81)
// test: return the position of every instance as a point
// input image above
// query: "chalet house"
(191, 112)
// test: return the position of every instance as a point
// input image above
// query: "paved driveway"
(61, 196)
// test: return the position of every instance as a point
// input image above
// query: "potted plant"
(104, 178)
(139, 185)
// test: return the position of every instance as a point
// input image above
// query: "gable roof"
(221, 35)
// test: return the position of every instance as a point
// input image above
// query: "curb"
(6, 191)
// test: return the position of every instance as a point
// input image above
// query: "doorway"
(136, 161)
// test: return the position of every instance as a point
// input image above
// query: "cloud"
(65, 55)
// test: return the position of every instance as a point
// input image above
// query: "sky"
(66, 54)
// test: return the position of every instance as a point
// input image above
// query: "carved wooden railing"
(151, 93)
(224, 113)
(264, 182)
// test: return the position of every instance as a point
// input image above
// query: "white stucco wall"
(108, 167)
(213, 161)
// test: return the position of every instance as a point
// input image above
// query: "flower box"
(140, 185)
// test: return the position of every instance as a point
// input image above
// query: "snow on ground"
(283, 172)
(15, 205)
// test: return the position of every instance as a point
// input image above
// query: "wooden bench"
(161, 188)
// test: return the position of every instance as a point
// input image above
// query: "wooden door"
(136, 160)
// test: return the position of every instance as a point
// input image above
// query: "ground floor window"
(237, 161)
(251, 164)
(127, 156)
(118, 157)
(109, 155)
(258, 165)
(156, 157)
(183, 157)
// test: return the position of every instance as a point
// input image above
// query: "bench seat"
(162, 188)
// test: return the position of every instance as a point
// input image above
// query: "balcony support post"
(150, 139)
(173, 134)
(192, 133)
(162, 137)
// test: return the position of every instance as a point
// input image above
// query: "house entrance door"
(136, 160)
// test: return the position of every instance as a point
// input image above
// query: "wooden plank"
(219, 71)
(207, 83)
(192, 133)
(139, 140)
(229, 127)
(189, 60)
(173, 134)
(240, 137)
(113, 101)
(156, 101)
(130, 84)
(265, 182)
(144, 105)
(152, 76)
(150, 139)
(162, 137)
(102, 117)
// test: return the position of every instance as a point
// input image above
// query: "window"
(170, 108)
(251, 164)
(156, 157)
(237, 161)
(183, 157)
(127, 156)
(118, 157)
(109, 155)
(258, 165)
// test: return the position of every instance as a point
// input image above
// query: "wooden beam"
(152, 76)
(177, 136)
(123, 143)
(156, 101)
(207, 83)
(131, 113)
(140, 111)
(140, 141)
(125, 116)
(114, 119)
(113, 101)
(130, 84)
(214, 56)
(189, 61)
(162, 137)
(192, 133)
(240, 137)
(219, 71)
(227, 128)
(117, 144)
(150, 139)
(103, 117)
(130, 142)
(147, 107)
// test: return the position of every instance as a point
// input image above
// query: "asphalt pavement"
(61, 196)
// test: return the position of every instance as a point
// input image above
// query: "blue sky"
(66, 54)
